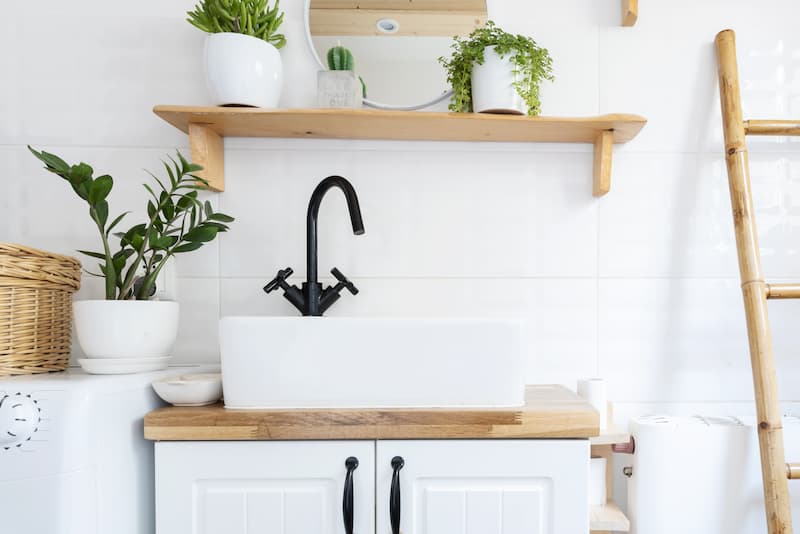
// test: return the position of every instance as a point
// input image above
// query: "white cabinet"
(443, 487)
(266, 487)
(485, 486)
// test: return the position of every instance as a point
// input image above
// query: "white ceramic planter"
(126, 328)
(243, 70)
(493, 86)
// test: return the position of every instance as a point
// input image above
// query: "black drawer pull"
(347, 499)
(394, 494)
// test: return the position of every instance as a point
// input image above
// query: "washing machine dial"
(19, 419)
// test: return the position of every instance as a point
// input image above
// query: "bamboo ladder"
(774, 469)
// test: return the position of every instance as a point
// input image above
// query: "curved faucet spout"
(312, 288)
(349, 194)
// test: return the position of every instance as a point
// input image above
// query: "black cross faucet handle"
(279, 281)
(343, 281)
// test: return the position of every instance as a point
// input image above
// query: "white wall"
(639, 287)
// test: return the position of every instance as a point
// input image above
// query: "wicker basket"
(35, 309)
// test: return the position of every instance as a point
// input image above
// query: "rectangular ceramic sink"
(323, 362)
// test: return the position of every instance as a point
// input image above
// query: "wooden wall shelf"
(207, 126)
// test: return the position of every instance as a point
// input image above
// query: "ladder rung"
(776, 127)
(792, 471)
(783, 291)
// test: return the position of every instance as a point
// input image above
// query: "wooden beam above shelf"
(202, 124)
(630, 12)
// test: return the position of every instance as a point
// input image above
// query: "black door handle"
(394, 494)
(347, 499)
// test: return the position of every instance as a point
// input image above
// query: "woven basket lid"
(18, 262)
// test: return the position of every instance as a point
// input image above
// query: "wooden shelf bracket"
(603, 148)
(208, 150)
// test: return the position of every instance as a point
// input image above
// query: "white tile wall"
(639, 286)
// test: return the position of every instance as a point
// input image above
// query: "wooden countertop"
(549, 412)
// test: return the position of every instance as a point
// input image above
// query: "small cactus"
(340, 58)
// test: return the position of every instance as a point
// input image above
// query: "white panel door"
(287, 487)
(485, 486)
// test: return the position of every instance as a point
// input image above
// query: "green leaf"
(201, 234)
(151, 209)
(171, 174)
(52, 161)
(152, 237)
(80, 173)
(187, 247)
(221, 217)
(97, 255)
(115, 222)
(137, 241)
(125, 253)
(127, 237)
(209, 209)
(82, 190)
(101, 208)
(164, 243)
(168, 209)
(100, 188)
(221, 227)
(150, 190)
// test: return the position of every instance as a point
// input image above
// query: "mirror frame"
(367, 102)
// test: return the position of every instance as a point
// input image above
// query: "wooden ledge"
(207, 126)
(549, 412)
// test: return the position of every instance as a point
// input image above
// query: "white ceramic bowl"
(190, 390)
(126, 328)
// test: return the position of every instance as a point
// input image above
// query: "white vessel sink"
(323, 362)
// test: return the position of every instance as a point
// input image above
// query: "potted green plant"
(493, 71)
(243, 65)
(128, 324)
(340, 86)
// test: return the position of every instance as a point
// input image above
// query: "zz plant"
(250, 17)
(177, 222)
(531, 64)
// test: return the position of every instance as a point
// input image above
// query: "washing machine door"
(46, 476)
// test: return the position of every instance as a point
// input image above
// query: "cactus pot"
(493, 88)
(243, 71)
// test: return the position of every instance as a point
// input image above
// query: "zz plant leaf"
(532, 64)
(177, 222)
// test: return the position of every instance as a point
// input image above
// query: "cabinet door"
(485, 486)
(284, 487)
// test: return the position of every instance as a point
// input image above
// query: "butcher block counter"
(550, 411)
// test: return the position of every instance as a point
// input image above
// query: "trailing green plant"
(250, 17)
(177, 222)
(531, 64)
(340, 58)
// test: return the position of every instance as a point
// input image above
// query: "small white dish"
(190, 390)
(122, 366)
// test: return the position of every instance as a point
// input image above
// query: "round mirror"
(395, 44)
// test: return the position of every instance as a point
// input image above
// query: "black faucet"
(313, 300)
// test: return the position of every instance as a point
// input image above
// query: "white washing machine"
(73, 459)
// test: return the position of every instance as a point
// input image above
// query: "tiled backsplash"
(639, 286)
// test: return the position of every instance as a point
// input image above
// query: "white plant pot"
(493, 88)
(243, 70)
(126, 328)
